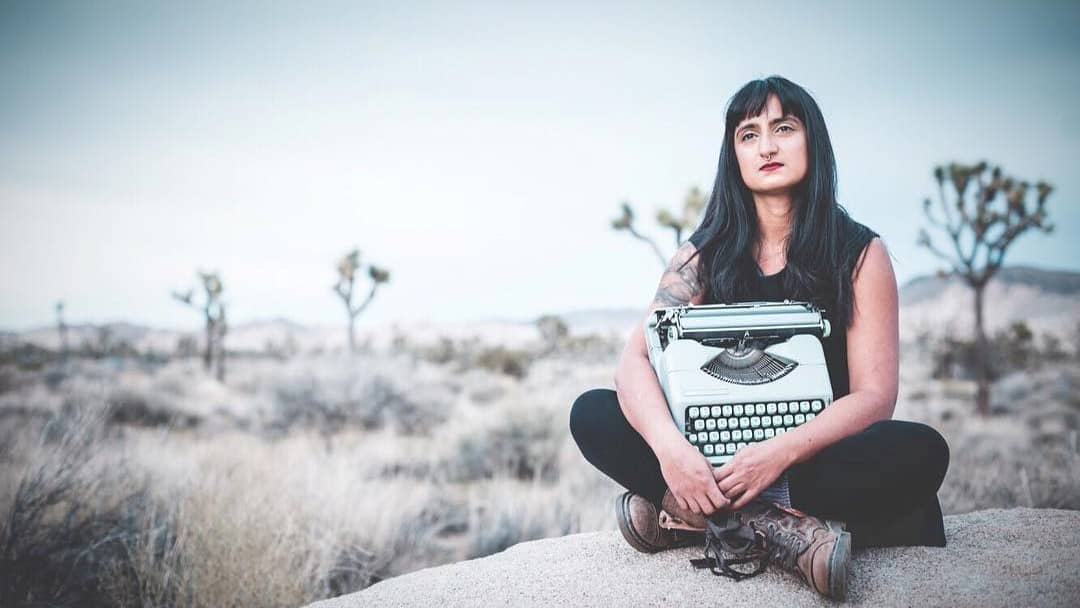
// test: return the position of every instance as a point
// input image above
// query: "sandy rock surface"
(1013, 557)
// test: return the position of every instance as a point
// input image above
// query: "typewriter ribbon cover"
(735, 374)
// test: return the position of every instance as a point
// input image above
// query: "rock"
(997, 557)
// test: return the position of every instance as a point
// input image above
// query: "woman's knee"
(587, 412)
(935, 450)
(927, 450)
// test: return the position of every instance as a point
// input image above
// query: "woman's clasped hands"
(753, 468)
(700, 488)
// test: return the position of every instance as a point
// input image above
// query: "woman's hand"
(689, 476)
(754, 468)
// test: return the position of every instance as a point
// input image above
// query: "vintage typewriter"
(735, 374)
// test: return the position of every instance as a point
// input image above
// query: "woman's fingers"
(743, 500)
(726, 484)
(693, 503)
(723, 471)
(717, 498)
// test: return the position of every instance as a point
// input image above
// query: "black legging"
(882, 481)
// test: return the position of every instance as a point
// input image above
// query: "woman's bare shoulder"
(680, 284)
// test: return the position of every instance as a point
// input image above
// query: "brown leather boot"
(674, 517)
(819, 551)
(639, 523)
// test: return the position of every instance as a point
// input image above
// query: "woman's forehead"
(771, 110)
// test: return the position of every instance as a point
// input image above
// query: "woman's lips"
(771, 166)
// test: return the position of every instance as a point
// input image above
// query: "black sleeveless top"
(855, 238)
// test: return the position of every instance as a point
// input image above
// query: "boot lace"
(785, 547)
(729, 543)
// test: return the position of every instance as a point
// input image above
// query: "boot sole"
(839, 561)
(622, 515)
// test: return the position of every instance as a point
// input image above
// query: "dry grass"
(312, 477)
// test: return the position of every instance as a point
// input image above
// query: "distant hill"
(1063, 282)
(1048, 300)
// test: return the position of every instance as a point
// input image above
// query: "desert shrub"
(130, 407)
(330, 407)
(60, 529)
(12, 378)
(442, 352)
(503, 514)
(988, 471)
(27, 356)
(509, 361)
(521, 444)
(1010, 349)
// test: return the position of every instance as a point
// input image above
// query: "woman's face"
(771, 149)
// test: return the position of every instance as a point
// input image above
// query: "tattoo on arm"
(679, 283)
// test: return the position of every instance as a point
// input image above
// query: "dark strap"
(728, 543)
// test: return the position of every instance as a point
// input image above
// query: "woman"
(773, 231)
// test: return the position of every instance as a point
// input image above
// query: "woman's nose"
(766, 146)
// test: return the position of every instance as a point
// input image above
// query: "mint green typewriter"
(736, 374)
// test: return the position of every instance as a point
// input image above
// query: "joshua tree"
(347, 268)
(62, 329)
(979, 232)
(213, 311)
(693, 203)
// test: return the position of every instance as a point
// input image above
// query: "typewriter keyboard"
(720, 430)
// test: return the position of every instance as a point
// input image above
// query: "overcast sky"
(478, 151)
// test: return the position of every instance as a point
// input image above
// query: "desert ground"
(139, 480)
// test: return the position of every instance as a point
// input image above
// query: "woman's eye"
(745, 135)
(788, 127)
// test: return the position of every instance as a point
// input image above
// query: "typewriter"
(736, 374)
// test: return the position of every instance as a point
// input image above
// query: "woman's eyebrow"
(773, 122)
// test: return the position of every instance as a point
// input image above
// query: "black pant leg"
(609, 443)
(883, 481)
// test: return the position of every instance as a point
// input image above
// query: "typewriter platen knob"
(826, 328)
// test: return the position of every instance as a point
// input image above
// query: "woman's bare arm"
(873, 347)
(687, 473)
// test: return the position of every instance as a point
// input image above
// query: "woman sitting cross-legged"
(774, 231)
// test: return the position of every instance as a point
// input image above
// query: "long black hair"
(819, 264)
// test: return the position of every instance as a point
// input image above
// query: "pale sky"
(479, 151)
